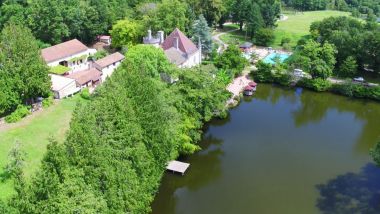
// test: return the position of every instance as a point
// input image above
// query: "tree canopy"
(23, 73)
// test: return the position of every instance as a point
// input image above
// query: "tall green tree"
(231, 60)
(23, 69)
(170, 14)
(126, 33)
(319, 60)
(202, 33)
(255, 20)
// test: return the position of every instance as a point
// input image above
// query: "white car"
(359, 79)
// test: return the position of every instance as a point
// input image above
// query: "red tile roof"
(184, 43)
(63, 50)
(83, 77)
(110, 59)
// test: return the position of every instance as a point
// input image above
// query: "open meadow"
(297, 25)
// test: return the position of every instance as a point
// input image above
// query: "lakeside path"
(238, 84)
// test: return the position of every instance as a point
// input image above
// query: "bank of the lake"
(273, 151)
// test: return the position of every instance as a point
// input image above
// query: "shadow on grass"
(4, 176)
(352, 192)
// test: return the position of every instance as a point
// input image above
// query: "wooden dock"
(177, 166)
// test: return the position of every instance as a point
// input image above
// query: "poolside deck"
(177, 166)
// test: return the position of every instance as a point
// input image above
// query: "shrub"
(315, 84)
(47, 102)
(85, 94)
(263, 72)
(18, 114)
(287, 46)
(265, 37)
(285, 40)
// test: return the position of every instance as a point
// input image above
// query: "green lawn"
(234, 38)
(297, 25)
(33, 133)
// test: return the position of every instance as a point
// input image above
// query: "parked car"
(359, 79)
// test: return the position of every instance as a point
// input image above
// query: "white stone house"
(179, 49)
(108, 64)
(62, 86)
(72, 54)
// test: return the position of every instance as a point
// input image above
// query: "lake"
(282, 151)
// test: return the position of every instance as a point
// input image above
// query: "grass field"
(295, 27)
(298, 24)
(33, 133)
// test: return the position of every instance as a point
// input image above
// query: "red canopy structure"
(248, 88)
(252, 84)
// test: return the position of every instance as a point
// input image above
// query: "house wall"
(194, 60)
(107, 71)
(75, 67)
(66, 91)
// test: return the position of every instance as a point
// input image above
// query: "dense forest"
(84, 19)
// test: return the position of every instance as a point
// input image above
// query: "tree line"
(368, 7)
(84, 19)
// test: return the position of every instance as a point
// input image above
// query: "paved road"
(222, 45)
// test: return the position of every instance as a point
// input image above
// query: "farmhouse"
(181, 51)
(71, 54)
(62, 86)
(108, 64)
(87, 78)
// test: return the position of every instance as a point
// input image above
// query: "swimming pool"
(270, 59)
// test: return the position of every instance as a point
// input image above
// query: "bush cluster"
(318, 84)
(85, 94)
(18, 114)
(47, 102)
(357, 90)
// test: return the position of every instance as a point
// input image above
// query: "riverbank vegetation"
(339, 47)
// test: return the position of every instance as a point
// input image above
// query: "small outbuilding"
(105, 39)
(246, 47)
(62, 86)
(248, 91)
(253, 85)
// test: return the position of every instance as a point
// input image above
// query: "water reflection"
(313, 108)
(208, 160)
(352, 192)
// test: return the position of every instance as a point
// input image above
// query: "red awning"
(248, 88)
(252, 84)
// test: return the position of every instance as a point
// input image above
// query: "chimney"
(176, 43)
(149, 34)
(160, 35)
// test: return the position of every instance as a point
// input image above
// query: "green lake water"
(283, 151)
